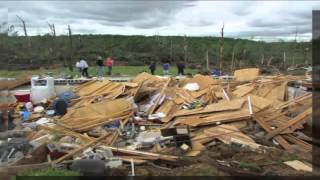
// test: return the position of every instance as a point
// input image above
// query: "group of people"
(166, 68)
(102, 64)
(83, 66)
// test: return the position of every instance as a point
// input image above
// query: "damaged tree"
(25, 30)
(221, 47)
(71, 49)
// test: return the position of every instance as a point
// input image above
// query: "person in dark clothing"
(180, 66)
(100, 66)
(152, 67)
(166, 67)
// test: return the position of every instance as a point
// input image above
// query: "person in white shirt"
(84, 67)
(78, 67)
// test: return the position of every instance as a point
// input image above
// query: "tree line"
(51, 50)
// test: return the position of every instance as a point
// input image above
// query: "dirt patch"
(223, 160)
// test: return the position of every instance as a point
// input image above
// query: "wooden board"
(216, 107)
(260, 102)
(299, 166)
(203, 81)
(246, 74)
(215, 118)
(242, 91)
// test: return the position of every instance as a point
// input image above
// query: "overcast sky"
(260, 20)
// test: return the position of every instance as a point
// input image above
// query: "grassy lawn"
(49, 172)
(117, 71)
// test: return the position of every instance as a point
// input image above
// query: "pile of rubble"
(161, 120)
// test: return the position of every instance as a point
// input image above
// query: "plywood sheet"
(202, 81)
(299, 166)
(242, 91)
(216, 107)
(260, 102)
(246, 74)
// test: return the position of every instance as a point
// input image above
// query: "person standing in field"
(180, 66)
(84, 67)
(166, 67)
(109, 63)
(152, 67)
(100, 66)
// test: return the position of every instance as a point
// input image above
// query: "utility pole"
(221, 47)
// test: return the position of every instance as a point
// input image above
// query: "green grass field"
(117, 71)
(49, 172)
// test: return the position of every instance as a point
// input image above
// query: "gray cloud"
(156, 13)
(147, 17)
(3, 15)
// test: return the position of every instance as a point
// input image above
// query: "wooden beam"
(268, 129)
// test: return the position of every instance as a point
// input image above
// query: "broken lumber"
(298, 119)
(76, 151)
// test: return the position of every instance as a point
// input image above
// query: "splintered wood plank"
(268, 129)
(305, 147)
(294, 101)
(159, 97)
(230, 134)
(79, 150)
(298, 119)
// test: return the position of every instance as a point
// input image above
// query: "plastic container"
(22, 96)
(42, 89)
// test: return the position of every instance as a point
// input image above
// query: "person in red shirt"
(109, 63)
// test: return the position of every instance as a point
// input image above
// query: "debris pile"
(160, 120)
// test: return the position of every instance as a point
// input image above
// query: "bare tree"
(25, 30)
(207, 60)
(221, 47)
(24, 26)
(71, 48)
(232, 61)
(52, 28)
(171, 51)
(185, 48)
(284, 60)
(295, 47)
